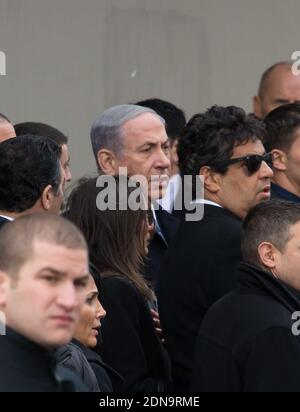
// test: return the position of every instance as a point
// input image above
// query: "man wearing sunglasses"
(283, 140)
(224, 146)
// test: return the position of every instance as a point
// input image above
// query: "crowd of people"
(137, 280)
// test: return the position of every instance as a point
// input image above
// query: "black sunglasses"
(252, 162)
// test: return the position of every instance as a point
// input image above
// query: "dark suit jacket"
(158, 247)
(279, 192)
(27, 367)
(198, 269)
(130, 343)
(246, 343)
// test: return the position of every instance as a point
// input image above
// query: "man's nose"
(68, 175)
(163, 160)
(266, 170)
(68, 297)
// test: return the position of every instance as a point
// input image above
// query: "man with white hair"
(134, 137)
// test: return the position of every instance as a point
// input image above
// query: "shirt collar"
(11, 219)
(205, 202)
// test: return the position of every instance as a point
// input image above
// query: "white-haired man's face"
(145, 152)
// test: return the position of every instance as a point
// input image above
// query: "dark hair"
(27, 165)
(173, 116)
(209, 138)
(97, 279)
(265, 76)
(281, 126)
(41, 129)
(113, 236)
(268, 222)
(95, 275)
(17, 238)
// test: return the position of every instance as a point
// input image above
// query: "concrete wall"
(68, 60)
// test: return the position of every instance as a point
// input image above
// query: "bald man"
(278, 86)
(6, 128)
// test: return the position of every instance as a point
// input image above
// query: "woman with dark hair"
(78, 354)
(118, 244)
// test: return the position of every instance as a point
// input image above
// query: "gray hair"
(106, 131)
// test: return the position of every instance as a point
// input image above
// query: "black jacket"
(130, 343)
(246, 342)
(71, 357)
(27, 367)
(278, 192)
(108, 379)
(158, 247)
(198, 269)
(94, 373)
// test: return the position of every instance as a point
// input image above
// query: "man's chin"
(58, 338)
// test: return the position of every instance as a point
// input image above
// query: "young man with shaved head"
(43, 276)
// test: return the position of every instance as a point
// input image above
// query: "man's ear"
(268, 255)
(211, 179)
(257, 107)
(279, 160)
(107, 162)
(47, 197)
(4, 286)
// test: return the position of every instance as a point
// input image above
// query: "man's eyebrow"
(60, 273)
(83, 277)
(152, 144)
(281, 101)
(148, 143)
(53, 271)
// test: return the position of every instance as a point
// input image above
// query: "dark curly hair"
(209, 138)
(28, 164)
